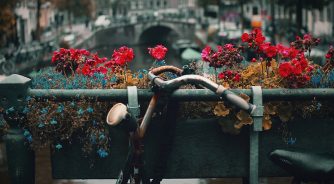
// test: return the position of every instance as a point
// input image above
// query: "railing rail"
(180, 94)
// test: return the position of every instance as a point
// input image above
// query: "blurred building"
(26, 12)
(315, 21)
(142, 7)
(26, 20)
(320, 22)
(47, 17)
(103, 7)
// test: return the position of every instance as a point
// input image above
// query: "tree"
(7, 21)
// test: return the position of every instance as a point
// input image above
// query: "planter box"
(199, 150)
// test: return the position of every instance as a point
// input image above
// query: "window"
(255, 10)
(321, 15)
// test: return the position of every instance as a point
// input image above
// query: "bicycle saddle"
(305, 166)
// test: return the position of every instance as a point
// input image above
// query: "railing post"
(21, 159)
(254, 135)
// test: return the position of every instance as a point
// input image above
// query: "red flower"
(245, 37)
(253, 60)
(158, 52)
(264, 46)
(303, 62)
(84, 52)
(293, 52)
(206, 52)
(110, 64)
(328, 55)
(271, 51)
(297, 69)
(221, 76)
(86, 70)
(236, 78)
(259, 39)
(285, 69)
(307, 37)
(229, 47)
(102, 69)
(75, 54)
(55, 56)
(228, 73)
(123, 55)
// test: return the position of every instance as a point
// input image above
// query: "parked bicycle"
(119, 114)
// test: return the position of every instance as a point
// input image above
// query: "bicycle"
(119, 113)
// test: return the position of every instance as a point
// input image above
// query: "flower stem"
(125, 78)
(216, 76)
(267, 69)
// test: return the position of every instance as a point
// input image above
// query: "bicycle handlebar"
(197, 79)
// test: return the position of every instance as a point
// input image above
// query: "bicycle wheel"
(8, 68)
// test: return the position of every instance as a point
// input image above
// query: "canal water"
(142, 59)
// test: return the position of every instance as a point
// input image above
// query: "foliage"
(7, 20)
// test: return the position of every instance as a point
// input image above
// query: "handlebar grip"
(238, 101)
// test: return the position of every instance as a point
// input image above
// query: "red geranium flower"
(221, 76)
(236, 78)
(328, 56)
(158, 52)
(123, 55)
(86, 70)
(206, 52)
(84, 52)
(260, 39)
(102, 70)
(55, 56)
(271, 51)
(245, 37)
(285, 69)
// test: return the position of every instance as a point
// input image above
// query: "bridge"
(157, 30)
